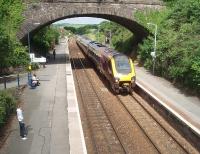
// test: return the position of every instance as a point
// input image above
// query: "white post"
(154, 51)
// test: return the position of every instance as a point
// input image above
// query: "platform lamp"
(153, 54)
(29, 43)
(29, 50)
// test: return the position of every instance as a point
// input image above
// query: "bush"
(11, 19)
(35, 66)
(19, 57)
(7, 106)
(178, 49)
(45, 39)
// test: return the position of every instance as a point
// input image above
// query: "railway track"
(102, 133)
(119, 124)
(162, 138)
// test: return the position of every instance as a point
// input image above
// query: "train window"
(122, 64)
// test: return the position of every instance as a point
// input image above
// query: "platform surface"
(51, 112)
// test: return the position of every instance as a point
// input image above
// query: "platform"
(51, 113)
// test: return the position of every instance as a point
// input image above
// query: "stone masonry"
(46, 12)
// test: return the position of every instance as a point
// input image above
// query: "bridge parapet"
(46, 12)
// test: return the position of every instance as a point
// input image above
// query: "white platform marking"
(76, 137)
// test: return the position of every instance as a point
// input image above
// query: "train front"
(124, 73)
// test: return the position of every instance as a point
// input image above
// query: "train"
(117, 68)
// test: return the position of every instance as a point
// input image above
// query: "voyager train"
(116, 67)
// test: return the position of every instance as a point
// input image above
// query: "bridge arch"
(46, 13)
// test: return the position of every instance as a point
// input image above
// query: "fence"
(15, 80)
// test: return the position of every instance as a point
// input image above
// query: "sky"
(82, 20)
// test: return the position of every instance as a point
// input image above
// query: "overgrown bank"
(178, 43)
(8, 102)
(12, 52)
(46, 39)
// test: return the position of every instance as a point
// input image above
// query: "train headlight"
(116, 80)
(133, 79)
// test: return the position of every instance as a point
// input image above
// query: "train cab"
(118, 69)
(123, 73)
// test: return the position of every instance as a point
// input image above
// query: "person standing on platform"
(20, 118)
(54, 53)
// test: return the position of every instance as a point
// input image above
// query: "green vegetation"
(178, 43)
(46, 39)
(12, 53)
(121, 38)
(69, 25)
(34, 66)
(7, 105)
(70, 29)
(81, 30)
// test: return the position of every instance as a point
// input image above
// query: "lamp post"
(29, 42)
(153, 54)
(29, 50)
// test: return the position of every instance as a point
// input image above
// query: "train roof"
(96, 44)
(109, 52)
(105, 51)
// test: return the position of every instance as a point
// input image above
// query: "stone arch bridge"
(120, 11)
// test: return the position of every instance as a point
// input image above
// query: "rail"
(92, 111)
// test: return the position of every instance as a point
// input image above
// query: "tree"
(46, 39)
(11, 18)
(178, 44)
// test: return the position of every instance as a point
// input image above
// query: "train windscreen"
(122, 64)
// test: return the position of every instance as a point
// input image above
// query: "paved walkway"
(185, 106)
(51, 113)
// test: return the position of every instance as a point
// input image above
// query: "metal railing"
(15, 80)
